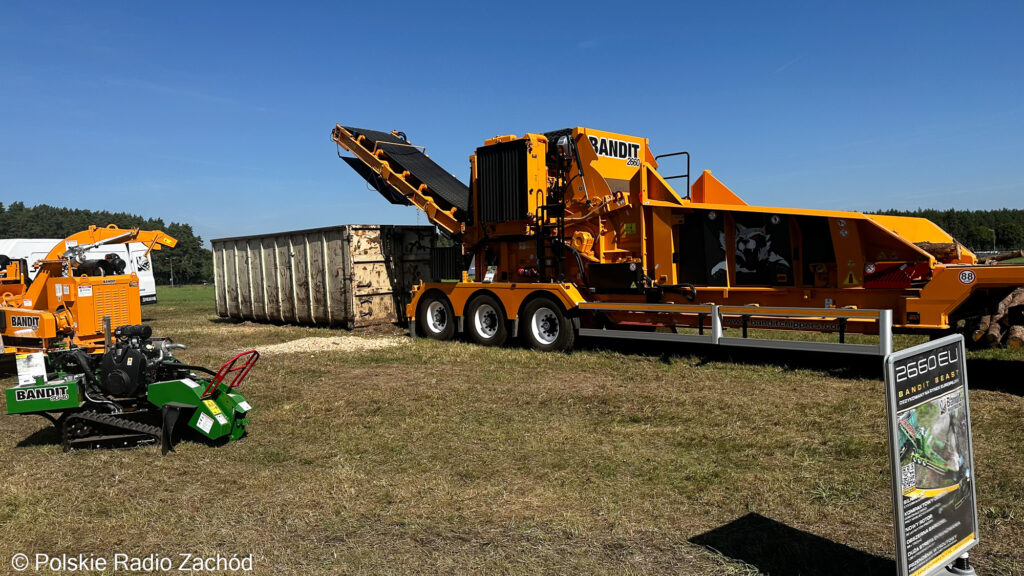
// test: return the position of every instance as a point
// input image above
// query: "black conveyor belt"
(402, 156)
(375, 135)
(381, 185)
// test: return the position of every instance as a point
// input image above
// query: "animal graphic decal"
(754, 254)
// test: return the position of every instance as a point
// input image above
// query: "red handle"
(239, 366)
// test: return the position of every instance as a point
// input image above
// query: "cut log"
(981, 328)
(943, 251)
(1015, 299)
(1015, 337)
(993, 335)
(1004, 304)
(1004, 256)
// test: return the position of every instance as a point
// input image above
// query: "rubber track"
(111, 421)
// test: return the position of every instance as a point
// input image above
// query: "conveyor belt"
(379, 184)
(402, 156)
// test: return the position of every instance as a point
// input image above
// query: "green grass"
(452, 458)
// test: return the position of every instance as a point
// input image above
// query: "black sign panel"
(931, 456)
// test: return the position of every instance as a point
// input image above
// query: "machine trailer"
(576, 232)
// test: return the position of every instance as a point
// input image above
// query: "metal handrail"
(687, 175)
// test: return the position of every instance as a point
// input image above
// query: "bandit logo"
(615, 148)
(25, 322)
(52, 393)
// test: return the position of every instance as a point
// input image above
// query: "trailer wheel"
(545, 326)
(435, 317)
(486, 321)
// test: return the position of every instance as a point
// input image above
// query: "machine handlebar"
(239, 366)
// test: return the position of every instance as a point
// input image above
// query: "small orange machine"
(67, 302)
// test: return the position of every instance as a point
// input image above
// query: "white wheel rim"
(544, 325)
(437, 317)
(485, 321)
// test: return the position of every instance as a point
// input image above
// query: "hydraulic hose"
(170, 364)
(688, 290)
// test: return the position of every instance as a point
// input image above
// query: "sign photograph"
(931, 456)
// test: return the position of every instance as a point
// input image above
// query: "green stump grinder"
(135, 393)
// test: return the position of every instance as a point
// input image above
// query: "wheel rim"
(437, 317)
(544, 325)
(485, 320)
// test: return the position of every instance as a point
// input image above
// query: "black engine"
(124, 370)
(107, 266)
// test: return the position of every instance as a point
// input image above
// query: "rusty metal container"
(346, 276)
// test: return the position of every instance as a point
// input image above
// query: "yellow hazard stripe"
(930, 492)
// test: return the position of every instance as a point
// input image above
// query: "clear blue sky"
(219, 114)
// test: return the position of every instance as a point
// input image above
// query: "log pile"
(1001, 328)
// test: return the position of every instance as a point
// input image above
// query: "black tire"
(485, 321)
(544, 326)
(435, 318)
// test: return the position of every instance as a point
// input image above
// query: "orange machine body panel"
(589, 209)
(62, 308)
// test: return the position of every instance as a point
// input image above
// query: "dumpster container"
(346, 276)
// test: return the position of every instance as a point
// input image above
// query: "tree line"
(1001, 229)
(189, 261)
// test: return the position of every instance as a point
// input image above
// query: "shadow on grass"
(995, 375)
(223, 320)
(48, 436)
(836, 365)
(780, 550)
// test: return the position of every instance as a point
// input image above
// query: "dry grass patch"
(430, 457)
(331, 344)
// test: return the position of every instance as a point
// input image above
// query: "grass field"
(429, 457)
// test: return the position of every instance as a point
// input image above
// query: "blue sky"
(219, 114)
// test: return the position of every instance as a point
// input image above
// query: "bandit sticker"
(25, 322)
(967, 277)
(611, 148)
(52, 393)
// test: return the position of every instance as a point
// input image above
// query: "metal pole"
(961, 567)
(885, 332)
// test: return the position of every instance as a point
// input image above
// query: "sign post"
(932, 458)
